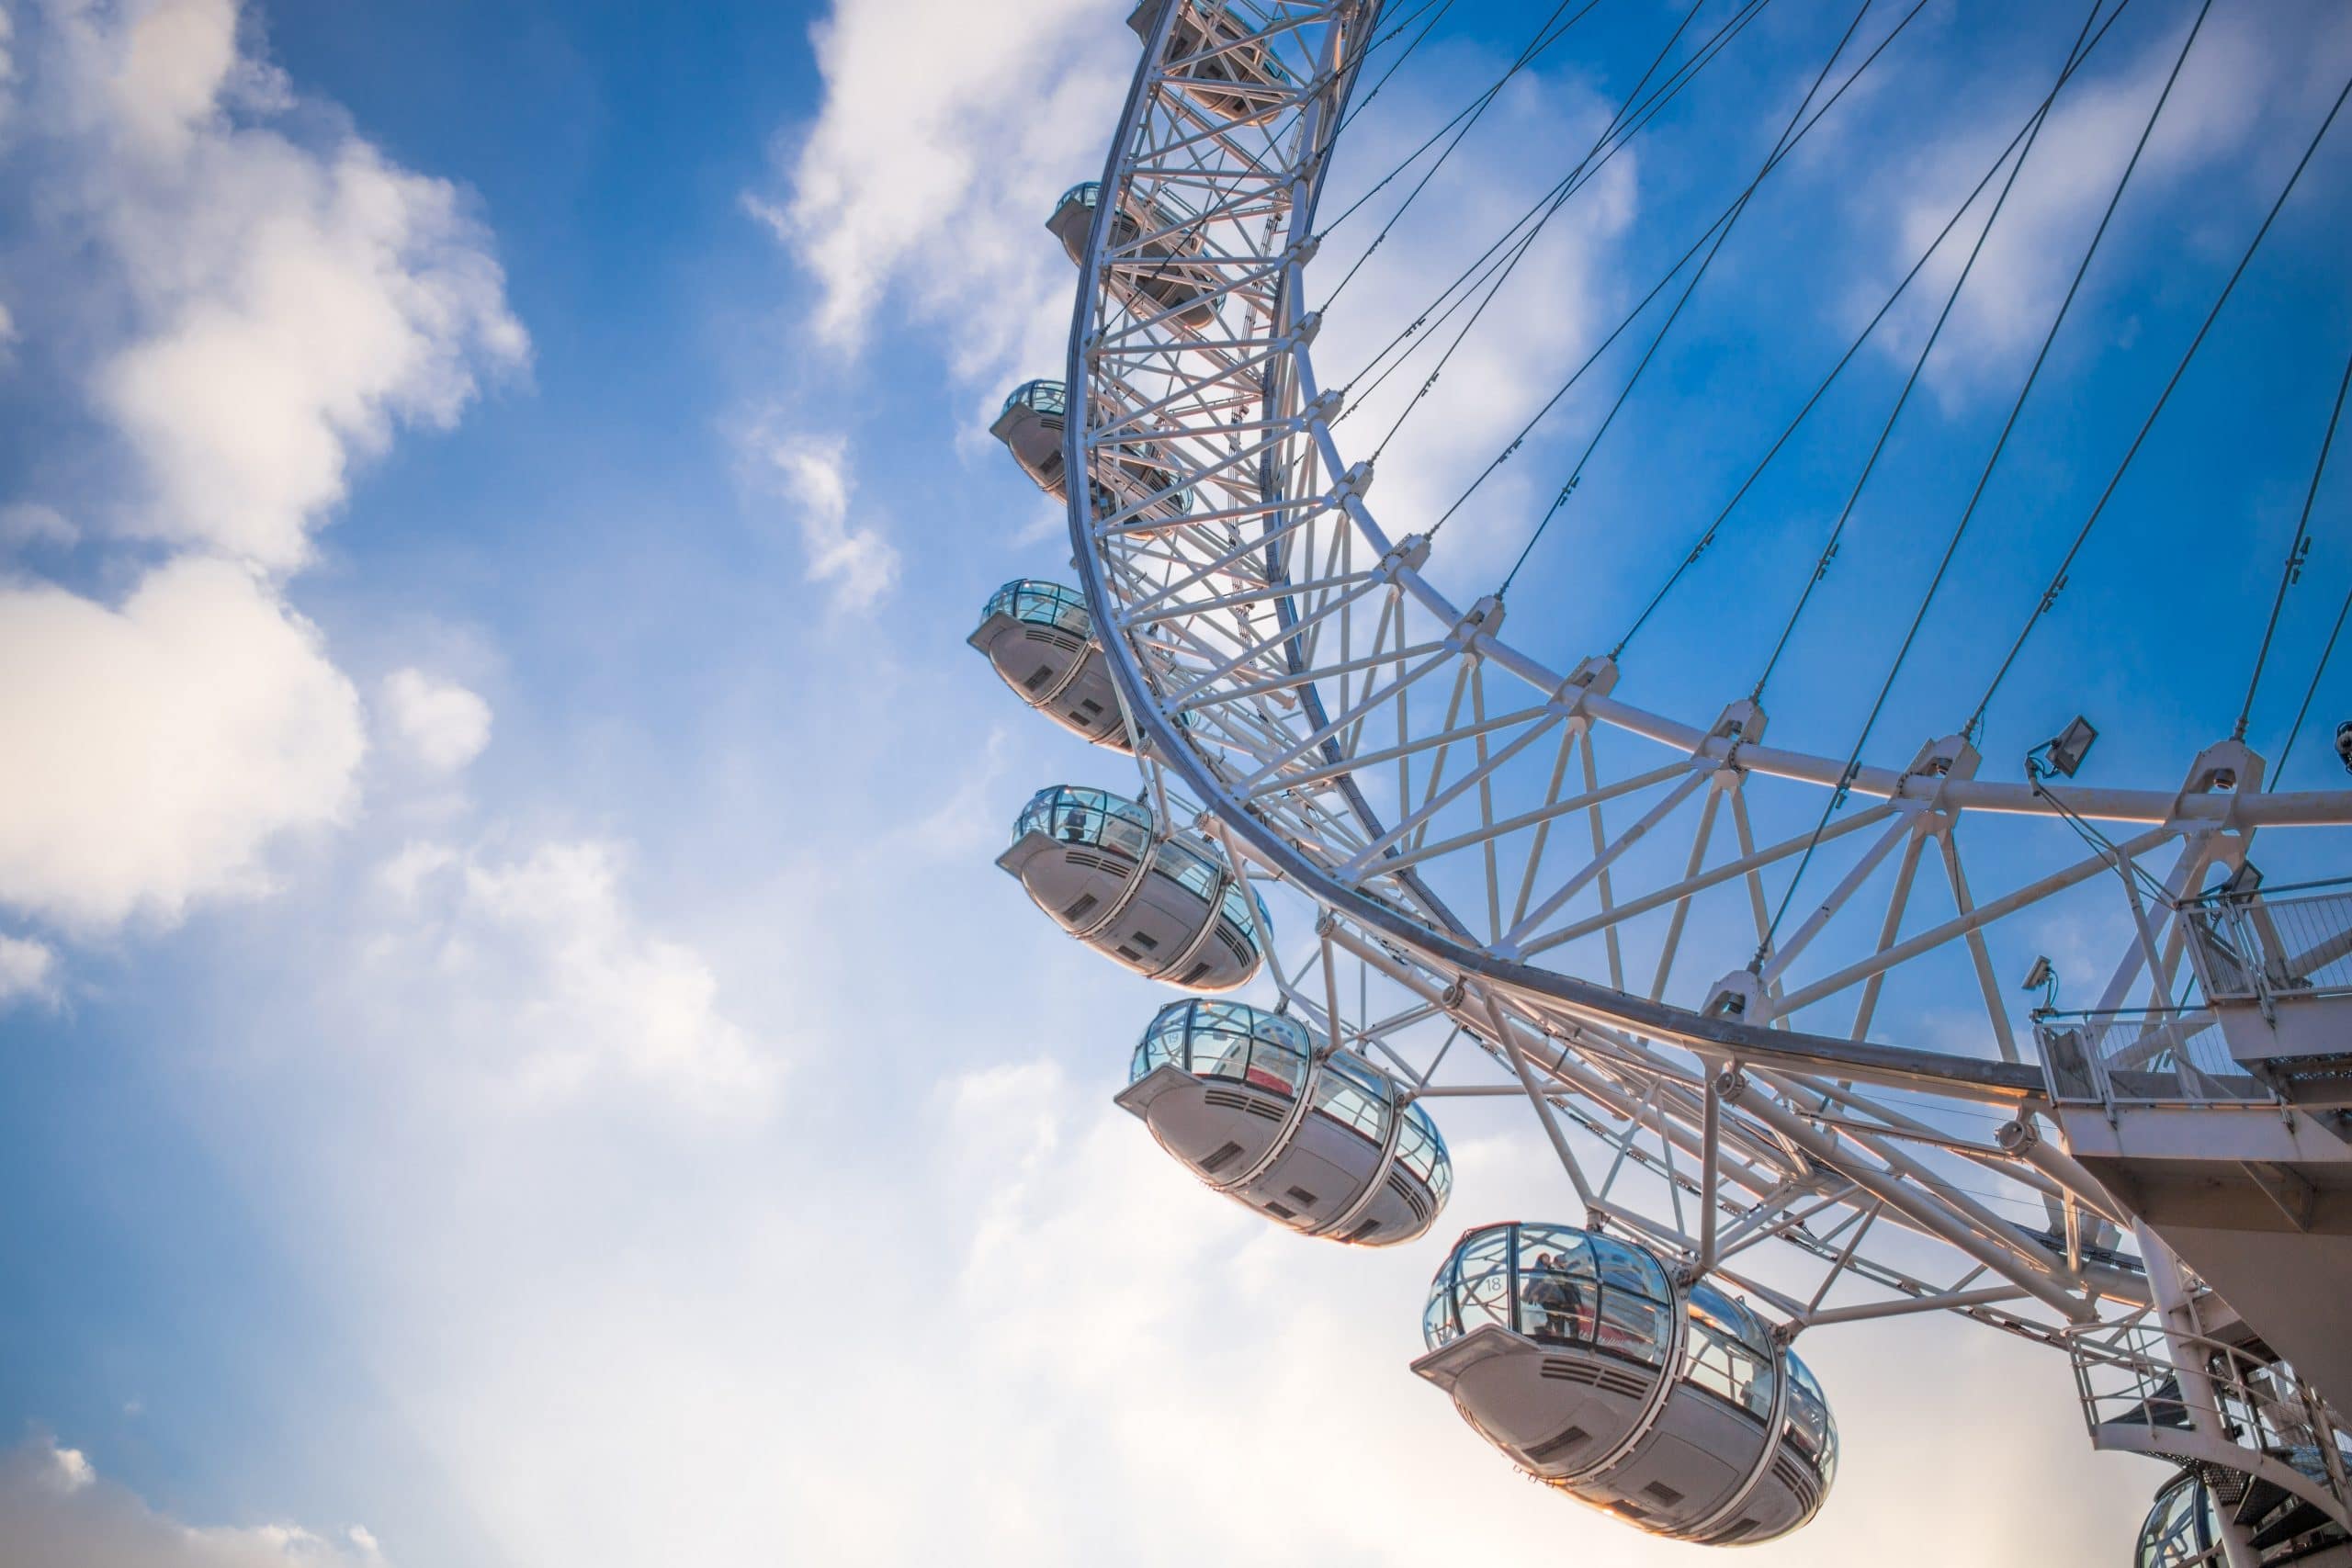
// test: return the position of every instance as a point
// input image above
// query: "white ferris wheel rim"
(1149, 710)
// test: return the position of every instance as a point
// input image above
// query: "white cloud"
(1542, 325)
(55, 1510)
(2237, 81)
(441, 725)
(28, 970)
(259, 302)
(947, 129)
(542, 968)
(813, 474)
(1006, 1280)
(286, 305)
(70, 1470)
(155, 748)
(968, 824)
(888, 198)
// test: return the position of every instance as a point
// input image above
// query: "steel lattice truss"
(1525, 881)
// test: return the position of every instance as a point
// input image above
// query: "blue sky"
(515, 1052)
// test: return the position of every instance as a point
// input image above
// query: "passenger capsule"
(1030, 424)
(2183, 1526)
(1671, 1407)
(1167, 908)
(1242, 81)
(1155, 254)
(1040, 637)
(1320, 1143)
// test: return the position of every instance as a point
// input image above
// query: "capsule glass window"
(1043, 604)
(1080, 816)
(1553, 1282)
(1421, 1152)
(1355, 1098)
(1810, 1423)
(1187, 868)
(1728, 1354)
(1045, 396)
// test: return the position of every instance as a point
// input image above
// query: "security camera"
(2344, 744)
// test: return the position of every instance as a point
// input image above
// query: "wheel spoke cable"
(2000, 444)
(1709, 535)
(1541, 211)
(1460, 124)
(2310, 691)
(1365, 102)
(2058, 579)
(2293, 572)
(1577, 178)
(1682, 261)
(1911, 382)
(1723, 234)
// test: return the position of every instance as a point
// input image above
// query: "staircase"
(2269, 1452)
(2227, 1126)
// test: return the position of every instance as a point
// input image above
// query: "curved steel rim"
(1720, 1036)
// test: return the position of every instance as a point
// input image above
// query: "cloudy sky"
(512, 1049)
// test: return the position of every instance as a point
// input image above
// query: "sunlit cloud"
(252, 308)
(927, 173)
(56, 1508)
(27, 972)
(813, 475)
(154, 749)
(441, 725)
(537, 969)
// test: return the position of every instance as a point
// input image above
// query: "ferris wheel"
(1705, 961)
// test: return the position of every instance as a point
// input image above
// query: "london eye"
(1444, 730)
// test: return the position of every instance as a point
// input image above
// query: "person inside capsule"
(1560, 1347)
(1553, 1292)
(1169, 907)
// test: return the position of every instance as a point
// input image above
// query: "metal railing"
(2144, 1057)
(2261, 947)
(2126, 1376)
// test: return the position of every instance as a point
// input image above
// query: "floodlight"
(2063, 752)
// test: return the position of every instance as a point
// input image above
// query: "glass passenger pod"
(1237, 1094)
(1155, 254)
(1671, 1407)
(1031, 423)
(1167, 908)
(1242, 81)
(1040, 637)
(2183, 1527)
